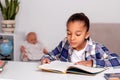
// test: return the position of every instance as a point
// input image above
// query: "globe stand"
(8, 57)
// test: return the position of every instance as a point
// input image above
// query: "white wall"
(48, 17)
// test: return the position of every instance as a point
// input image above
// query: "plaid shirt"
(96, 52)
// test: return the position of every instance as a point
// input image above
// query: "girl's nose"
(72, 37)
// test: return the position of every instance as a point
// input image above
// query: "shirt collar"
(88, 49)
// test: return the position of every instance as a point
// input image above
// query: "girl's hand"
(45, 51)
(85, 63)
(45, 61)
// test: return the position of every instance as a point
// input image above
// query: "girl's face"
(76, 34)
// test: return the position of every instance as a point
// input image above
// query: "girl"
(79, 48)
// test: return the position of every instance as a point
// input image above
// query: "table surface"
(15, 70)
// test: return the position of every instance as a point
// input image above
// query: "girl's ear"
(87, 35)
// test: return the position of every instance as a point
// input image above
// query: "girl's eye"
(78, 34)
(68, 33)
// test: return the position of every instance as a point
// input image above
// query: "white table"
(28, 71)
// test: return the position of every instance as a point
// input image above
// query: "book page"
(56, 66)
(88, 69)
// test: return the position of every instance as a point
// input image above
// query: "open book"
(67, 67)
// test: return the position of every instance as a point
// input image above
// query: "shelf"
(7, 34)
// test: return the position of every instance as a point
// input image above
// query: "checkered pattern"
(100, 55)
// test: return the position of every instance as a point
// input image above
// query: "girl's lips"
(72, 43)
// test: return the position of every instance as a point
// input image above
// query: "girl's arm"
(56, 53)
(105, 58)
(53, 55)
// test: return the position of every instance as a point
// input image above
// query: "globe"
(6, 48)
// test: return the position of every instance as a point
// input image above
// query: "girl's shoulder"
(93, 42)
(100, 46)
(97, 44)
(65, 42)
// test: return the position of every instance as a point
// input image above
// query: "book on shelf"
(2, 64)
(67, 67)
(112, 76)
